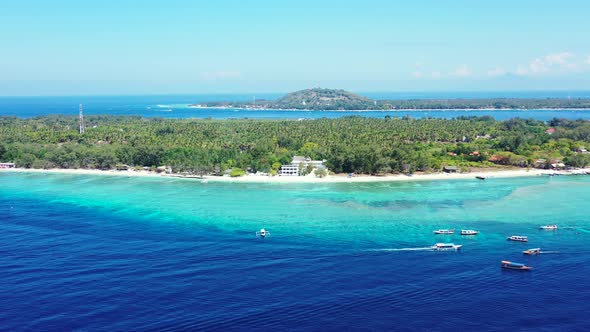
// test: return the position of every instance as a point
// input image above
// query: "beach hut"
(450, 169)
(122, 167)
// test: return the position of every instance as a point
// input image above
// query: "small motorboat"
(444, 231)
(469, 232)
(534, 251)
(515, 266)
(263, 233)
(480, 177)
(446, 247)
(549, 227)
(518, 238)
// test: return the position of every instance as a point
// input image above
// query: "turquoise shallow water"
(374, 212)
(96, 252)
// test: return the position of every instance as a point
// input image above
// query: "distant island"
(332, 100)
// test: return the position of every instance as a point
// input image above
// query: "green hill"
(323, 99)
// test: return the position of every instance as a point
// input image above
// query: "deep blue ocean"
(111, 253)
(176, 106)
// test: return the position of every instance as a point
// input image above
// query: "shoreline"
(338, 178)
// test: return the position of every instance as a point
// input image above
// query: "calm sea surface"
(132, 254)
(176, 106)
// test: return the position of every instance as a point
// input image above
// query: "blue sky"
(158, 47)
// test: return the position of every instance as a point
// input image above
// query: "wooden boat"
(518, 238)
(480, 177)
(262, 233)
(534, 251)
(549, 227)
(446, 247)
(515, 266)
(469, 232)
(445, 231)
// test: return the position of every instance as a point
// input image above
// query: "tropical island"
(345, 145)
(330, 99)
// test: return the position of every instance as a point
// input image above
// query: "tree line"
(348, 144)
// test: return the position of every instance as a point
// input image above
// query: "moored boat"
(444, 231)
(446, 247)
(469, 232)
(515, 266)
(518, 238)
(480, 177)
(534, 251)
(262, 233)
(549, 227)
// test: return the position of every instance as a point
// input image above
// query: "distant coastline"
(387, 110)
(318, 99)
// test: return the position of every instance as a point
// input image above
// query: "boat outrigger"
(262, 233)
(444, 231)
(534, 251)
(518, 238)
(469, 232)
(446, 247)
(549, 227)
(515, 266)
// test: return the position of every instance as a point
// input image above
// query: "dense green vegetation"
(351, 144)
(326, 99)
(488, 103)
(330, 99)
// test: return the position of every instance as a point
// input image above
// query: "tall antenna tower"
(82, 126)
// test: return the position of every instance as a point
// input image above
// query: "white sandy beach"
(338, 178)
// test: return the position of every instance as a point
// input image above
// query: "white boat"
(549, 227)
(444, 231)
(446, 247)
(515, 266)
(469, 232)
(262, 233)
(534, 251)
(518, 238)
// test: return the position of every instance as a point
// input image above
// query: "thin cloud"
(462, 71)
(417, 74)
(558, 58)
(524, 71)
(498, 71)
(550, 63)
(538, 66)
